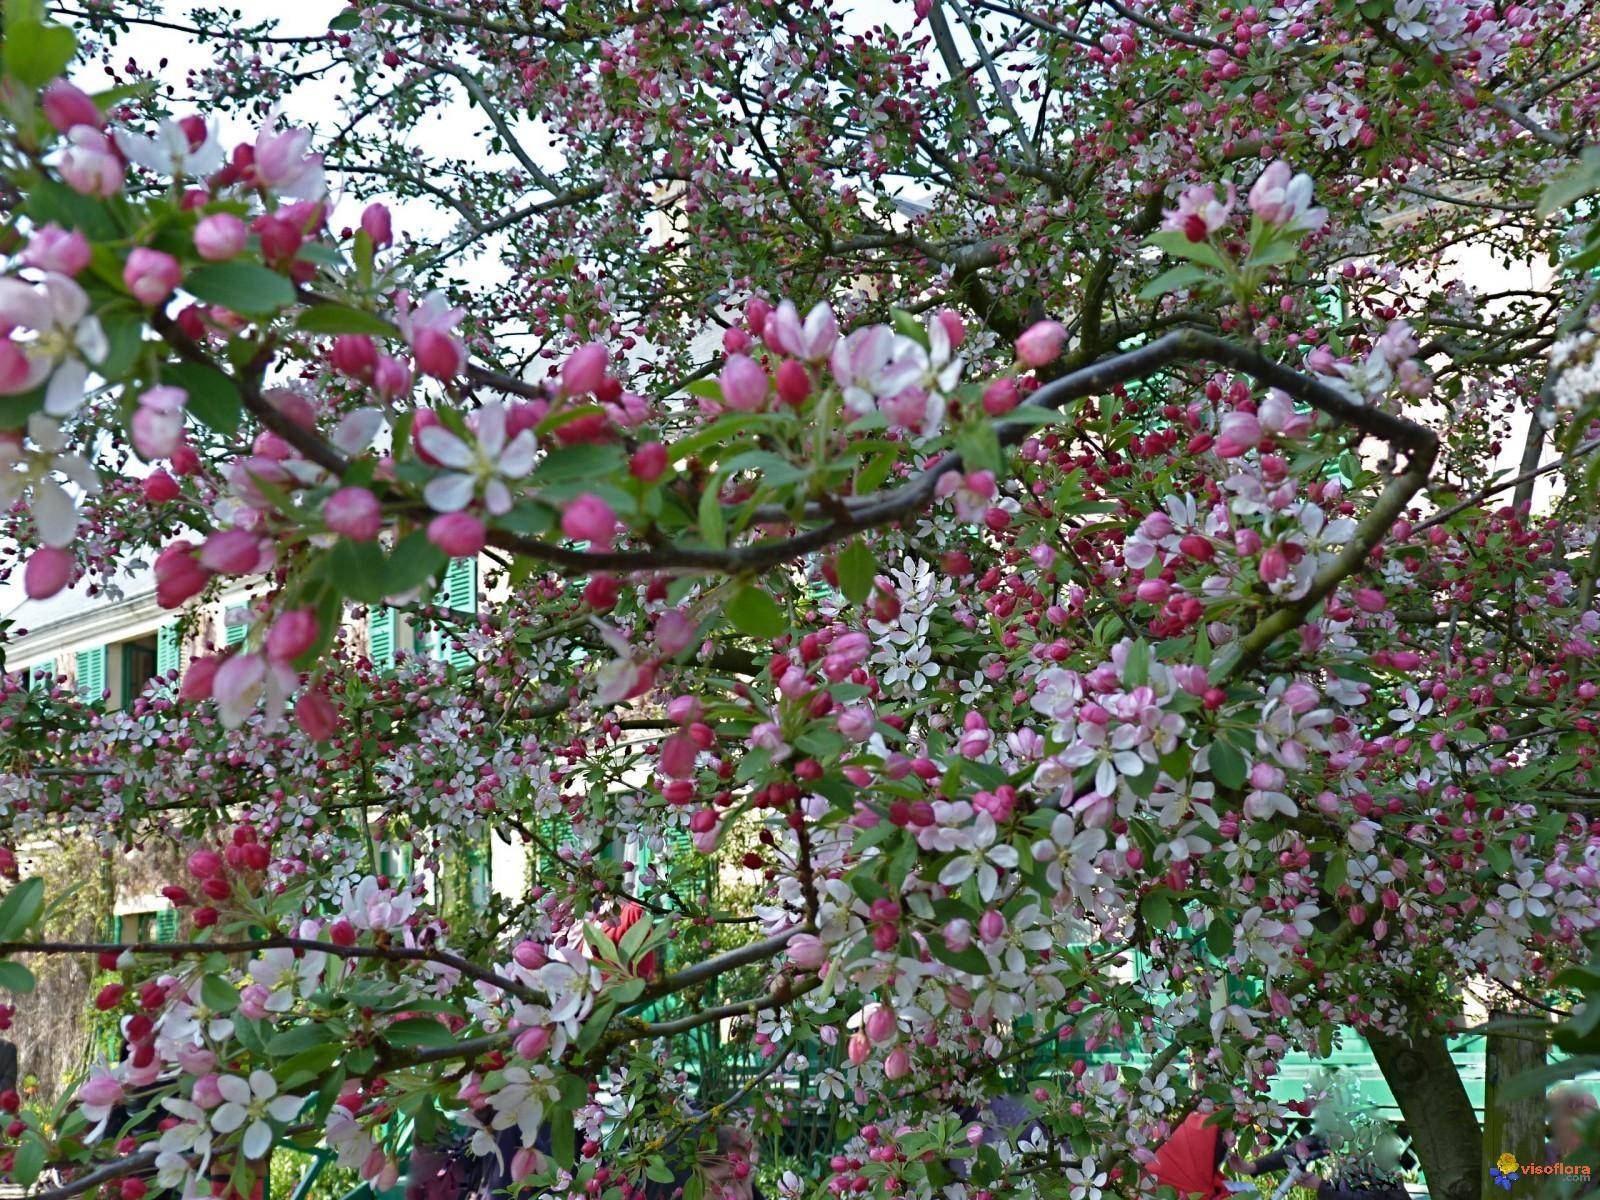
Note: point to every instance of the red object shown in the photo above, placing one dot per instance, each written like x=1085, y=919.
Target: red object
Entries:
x=1188, y=1160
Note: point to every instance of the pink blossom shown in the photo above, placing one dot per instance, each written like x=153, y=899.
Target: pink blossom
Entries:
x=157, y=425
x=1239, y=433
x=674, y=632
x=1280, y=197
x=90, y=164
x=281, y=164
x=391, y=378
x=532, y=1042
x=151, y=275
x=806, y=951
x=1200, y=212
x=353, y=512
x=898, y=1064
x=238, y=687
x=198, y=680
x=429, y=329
x=811, y=341
x=856, y=724
x=970, y=493
x=880, y=1024
x=1041, y=342
x=52, y=248
x=220, y=237
x=590, y=519
x=744, y=384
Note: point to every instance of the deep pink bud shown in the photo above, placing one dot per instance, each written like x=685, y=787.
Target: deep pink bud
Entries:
x=232, y=552
x=590, y=519
x=220, y=236
x=354, y=354
x=585, y=370
x=794, y=383
x=438, y=354
x=342, y=932
x=649, y=462
x=179, y=574
x=1000, y=397
x=52, y=248
x=66, y=106
x=316, y=715
x=377, y=225
x=47, y=572
x=458, y=534
x=955, y=329
x=197, y=680
x=292, y=634
x=159, y=487
x=205, y=864
x=991, y=926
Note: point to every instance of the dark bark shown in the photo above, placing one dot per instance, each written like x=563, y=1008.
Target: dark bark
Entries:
x=1444, y=1128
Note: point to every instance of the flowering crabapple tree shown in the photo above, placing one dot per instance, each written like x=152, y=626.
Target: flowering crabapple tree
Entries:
x=1072, y=579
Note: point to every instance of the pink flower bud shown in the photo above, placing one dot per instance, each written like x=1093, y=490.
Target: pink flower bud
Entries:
x=1370, y=600
x=794, y=384
x=391, y=378
x=532, y=1042
x=898, y=1064
x=52, y=248
x=744, y=384
x=66, y=106
x=292, y=634
x=438, y=354
x=353, y=512
x=1041, y=342
x=530, y=955
x=991, y=926
x=678, y=753
x=859, y=1049
x=151, y=275
x=649, y=462
x=458, y=534
x=179, y=575
x=354, y=354
x=585, y=370
x=955, y=329
x=590, y=519
x=316, y=715
x=47, y=572
x=205, y=1093
x=220, y=237
x=205, y=864
x=377, y=225
x=857, y=723
x=198, y=679
x=880, y=1024
x=232, y=552
x=806, y=951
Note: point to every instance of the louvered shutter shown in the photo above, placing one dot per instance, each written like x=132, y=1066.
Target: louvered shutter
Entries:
x=169, y=649
x=167, y=925
x=235, y=630
x=458, y=593
x=381, y=636
x=92, y=675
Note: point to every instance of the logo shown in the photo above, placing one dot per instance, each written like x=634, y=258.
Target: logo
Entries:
x=1507, y=1170
x=1504, y=1172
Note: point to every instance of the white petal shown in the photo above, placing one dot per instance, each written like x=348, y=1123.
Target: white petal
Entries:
x=65, y=392
x=234, y=1089
x=257, y=1140
x=54, y=514
x=446, y=447
x=957, y=870
x=228, y=1117
x=263, y=1084
x=517, y=460
x=356, y=430
x=448, y=493
x=285, y=1108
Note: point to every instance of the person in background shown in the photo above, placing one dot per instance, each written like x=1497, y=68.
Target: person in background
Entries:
x=1570, y=1109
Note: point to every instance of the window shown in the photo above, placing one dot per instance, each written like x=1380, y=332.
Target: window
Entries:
x=139, y=659
x=92, y=675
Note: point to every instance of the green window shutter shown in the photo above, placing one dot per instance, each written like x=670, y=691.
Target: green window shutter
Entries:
x=381, y=636
x=458, y=593
x=234, y=632
x=92, y=674
x=167, y=925
x=40, y=675
x=169, y=649
x=478, y=890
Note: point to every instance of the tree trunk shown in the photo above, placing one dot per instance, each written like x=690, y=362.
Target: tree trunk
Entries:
x=1514, y=1127
x=1443, y=1126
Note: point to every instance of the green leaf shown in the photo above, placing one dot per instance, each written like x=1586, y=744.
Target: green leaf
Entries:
x=712, y=526
x=124, y=337
x=337, y=318
x=360, y=570
x=419, y=1031
x=1173, y=279
x=14, y=977
x=1157, y=909
x=21, y=908
x=243, y=287
x=49, y=200
x=36, y=53
x=857, y=569
x=585, y=462
x=979, y=447
x=413, y=560
x=907, y=325
x=218, y=995
x=1226, y=764
x=754, y=612
x=561, y=1137
x=213, y=397
x=1219, y=937
x=1571, y=186
x=1176, y=243
x=299, y=1039
x=346, y=21
x=29, y=1160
